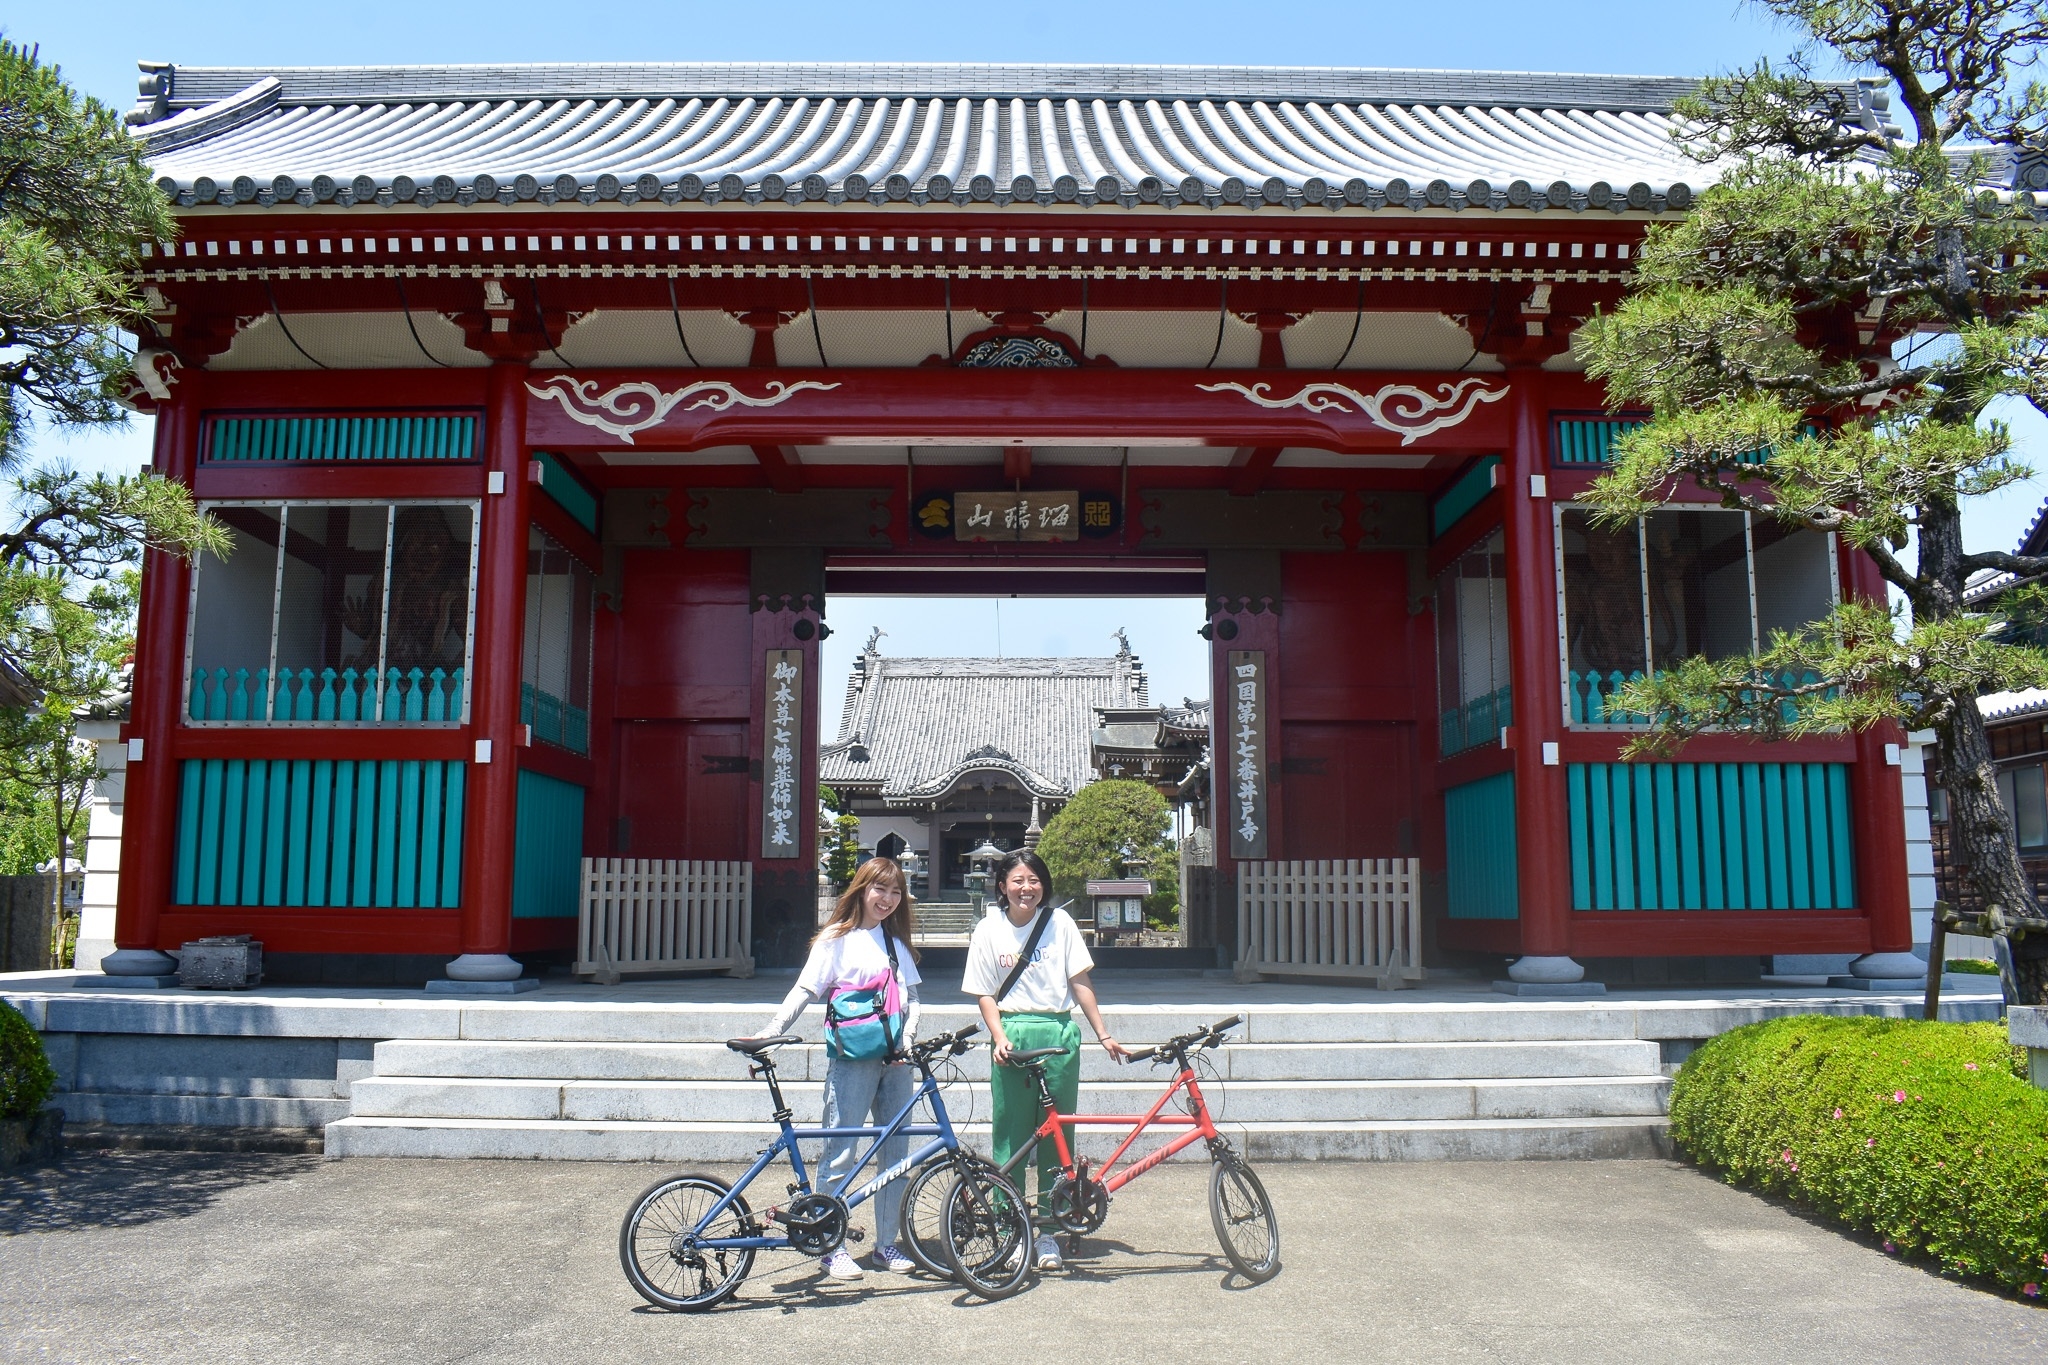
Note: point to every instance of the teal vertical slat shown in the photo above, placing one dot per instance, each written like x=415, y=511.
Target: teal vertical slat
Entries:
x=1772, y=778
x=1756, y=878
x=276, y=823
x=457, y=775
x=320, y=830
x=406, y=847
x=431, y=781
x=363, y=880
x=212, y=800
x=1799, y=852
x=1823, y=861
x=1713, y=889
x=387, y=832
x=1692, y=848
x=1600, y=803
x=1579, y=811
x=1842, y=845
x=1643, y=820
x=190, y=830
x=299, y=832
x=1665, y=817
x=234, y=783
x=342, y=859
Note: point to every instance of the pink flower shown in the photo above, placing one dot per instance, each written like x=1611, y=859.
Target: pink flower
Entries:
x=1898, y=1097
x=1890, y=1249
x=1969, y=1066
x=1872, y=1142
x=1838, y=1113
x=2032, y=1291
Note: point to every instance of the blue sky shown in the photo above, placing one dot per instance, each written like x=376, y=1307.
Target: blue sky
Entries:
x=98, y=48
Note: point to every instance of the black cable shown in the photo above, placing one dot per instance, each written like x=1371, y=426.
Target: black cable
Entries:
x=414, y=330
x=675, y=311
x=1492, y=310
x=283, y=325
x=1357, y=318
x=1222, y=314
x=818, y=337
x=540, y=316
x=1084, y=317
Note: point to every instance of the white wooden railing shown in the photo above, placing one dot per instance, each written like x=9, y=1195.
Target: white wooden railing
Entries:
x=1359, y=917
x=665, y=915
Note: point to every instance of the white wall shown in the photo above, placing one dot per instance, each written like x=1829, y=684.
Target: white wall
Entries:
x=102, y=843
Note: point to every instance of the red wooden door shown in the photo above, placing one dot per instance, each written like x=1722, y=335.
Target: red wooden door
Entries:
x=1350, y=789
x=682, y=789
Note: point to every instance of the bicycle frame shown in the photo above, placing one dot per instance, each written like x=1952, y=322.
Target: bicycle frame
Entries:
x=1201, y=1127
x=940, y=1132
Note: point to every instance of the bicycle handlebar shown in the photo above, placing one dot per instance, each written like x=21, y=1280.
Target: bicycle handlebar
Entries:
x=956, y=1042
x=1174, y=1047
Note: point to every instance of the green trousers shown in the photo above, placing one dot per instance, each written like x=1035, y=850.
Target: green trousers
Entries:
x=1016, y=1111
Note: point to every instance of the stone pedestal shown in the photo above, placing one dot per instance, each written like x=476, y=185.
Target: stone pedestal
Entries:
x=2027, y=1027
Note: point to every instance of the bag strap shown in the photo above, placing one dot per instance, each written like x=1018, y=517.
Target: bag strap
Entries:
x=896, y=973
x=1024, y=958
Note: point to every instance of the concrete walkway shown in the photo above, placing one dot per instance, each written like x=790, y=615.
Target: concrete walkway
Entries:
x=177, y=1258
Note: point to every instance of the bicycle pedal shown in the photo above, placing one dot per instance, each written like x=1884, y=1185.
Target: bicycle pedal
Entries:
x=856, y=1234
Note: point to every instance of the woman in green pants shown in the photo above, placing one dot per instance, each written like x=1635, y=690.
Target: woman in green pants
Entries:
x=1036, y=1010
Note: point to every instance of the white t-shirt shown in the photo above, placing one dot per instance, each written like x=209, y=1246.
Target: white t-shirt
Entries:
x=862, y=954
x=1045, y=986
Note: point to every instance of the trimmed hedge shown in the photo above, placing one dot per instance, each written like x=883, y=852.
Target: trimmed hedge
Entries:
x=1926, y=1134
x=26, y=1077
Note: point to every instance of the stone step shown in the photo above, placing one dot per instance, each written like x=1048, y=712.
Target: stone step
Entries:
x=1240, y=1101
x=695, y=1143
x=1264, y=1062
x=121, y=1109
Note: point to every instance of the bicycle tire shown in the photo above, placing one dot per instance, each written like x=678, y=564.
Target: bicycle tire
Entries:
x=657, y=1263
x=924, y=1212
x=1243, y=1218
x=987, y=1233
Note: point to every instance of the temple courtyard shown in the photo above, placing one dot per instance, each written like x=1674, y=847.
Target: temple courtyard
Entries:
x=172, y=1257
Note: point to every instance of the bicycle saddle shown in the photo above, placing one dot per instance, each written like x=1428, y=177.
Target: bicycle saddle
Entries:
x=754, y=1047
x=1036, y=1054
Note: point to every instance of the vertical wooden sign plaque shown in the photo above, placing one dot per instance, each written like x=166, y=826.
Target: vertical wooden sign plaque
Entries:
x=1244, y=717
x=781, y=832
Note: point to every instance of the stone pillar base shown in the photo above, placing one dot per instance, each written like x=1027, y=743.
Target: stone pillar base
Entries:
x=1548, y=971
x=1889, y=967
x=484, y=967
x=138, y=962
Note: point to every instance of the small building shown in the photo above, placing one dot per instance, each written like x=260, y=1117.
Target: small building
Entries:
x=1118, y=906
x=1166, y=747
x=938, y=755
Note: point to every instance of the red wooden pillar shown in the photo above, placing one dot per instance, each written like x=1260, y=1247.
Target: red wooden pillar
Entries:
x=149, y=826
x=1542, y=827
x=1879, y=806
x=493, y=795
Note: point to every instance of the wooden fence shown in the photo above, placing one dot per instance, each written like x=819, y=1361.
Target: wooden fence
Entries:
x=1357, y=917
x=665, y=915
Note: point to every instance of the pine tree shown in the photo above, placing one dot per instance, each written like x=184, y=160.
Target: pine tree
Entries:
x=1765, y=321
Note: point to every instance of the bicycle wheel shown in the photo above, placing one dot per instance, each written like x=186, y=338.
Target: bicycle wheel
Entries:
x=1243, y=1216
x=987, y=1231
x=658, y=1244
x=924, y=1211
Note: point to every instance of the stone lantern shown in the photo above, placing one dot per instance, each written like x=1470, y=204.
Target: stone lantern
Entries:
x=981, y=864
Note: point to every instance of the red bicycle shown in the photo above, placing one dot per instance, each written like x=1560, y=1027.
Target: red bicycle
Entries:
x=1079, y=1201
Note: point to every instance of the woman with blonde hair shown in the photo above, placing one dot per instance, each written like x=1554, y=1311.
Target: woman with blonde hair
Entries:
x=864, y=969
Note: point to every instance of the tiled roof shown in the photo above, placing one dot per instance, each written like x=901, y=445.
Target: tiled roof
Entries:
x=2027, y=701
x=913, y=727
x=1001, y=135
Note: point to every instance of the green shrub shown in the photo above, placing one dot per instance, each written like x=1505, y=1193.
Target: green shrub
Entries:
x=26, y=1077
x=1925, y=1134
x=1971, y=966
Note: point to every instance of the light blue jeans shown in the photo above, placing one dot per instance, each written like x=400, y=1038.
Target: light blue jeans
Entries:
x=853, y=1091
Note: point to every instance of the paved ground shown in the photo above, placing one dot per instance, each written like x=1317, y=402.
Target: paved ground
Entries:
x=182, y=1257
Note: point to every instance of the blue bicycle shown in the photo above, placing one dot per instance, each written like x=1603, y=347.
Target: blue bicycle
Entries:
x=689, y=1240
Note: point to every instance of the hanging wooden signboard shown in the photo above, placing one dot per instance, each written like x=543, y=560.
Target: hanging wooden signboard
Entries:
x=1245, y=696
x=781, y=831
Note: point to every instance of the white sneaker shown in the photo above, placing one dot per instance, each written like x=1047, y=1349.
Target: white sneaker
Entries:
x=891, y=1257
x=1049, y=1253
x=840, y=1265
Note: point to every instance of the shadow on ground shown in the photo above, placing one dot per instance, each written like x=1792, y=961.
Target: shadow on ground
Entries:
x=128, y=1189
